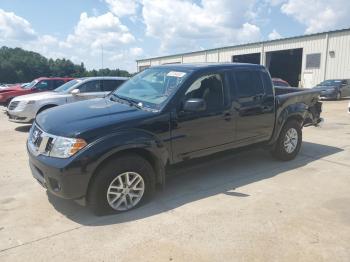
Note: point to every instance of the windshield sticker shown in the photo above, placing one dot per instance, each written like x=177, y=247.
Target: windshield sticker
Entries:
x=176, y=74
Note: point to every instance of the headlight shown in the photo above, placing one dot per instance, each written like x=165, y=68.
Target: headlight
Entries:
x=63, y=147
x=31, y=102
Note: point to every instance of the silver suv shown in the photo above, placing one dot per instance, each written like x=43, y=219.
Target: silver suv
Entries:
x=23, y=109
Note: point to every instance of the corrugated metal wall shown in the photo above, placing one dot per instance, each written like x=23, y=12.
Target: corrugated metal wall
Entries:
x=335, y=59
x=338, y=65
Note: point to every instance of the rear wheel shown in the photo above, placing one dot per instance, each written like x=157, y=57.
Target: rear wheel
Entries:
x=121, y=184
x=289, y=141
x=338, y=96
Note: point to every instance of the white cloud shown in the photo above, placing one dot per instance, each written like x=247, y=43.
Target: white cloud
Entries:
x=185, y=25
x=275, y=2
x=95, y=31
x=274, y=35
x=320, y=15
x=85, y=44
x=13, y=27
x=136, y=51
x=122, y=7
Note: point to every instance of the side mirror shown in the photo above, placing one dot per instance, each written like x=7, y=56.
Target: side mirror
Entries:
x=75, y=92
x=195, y=105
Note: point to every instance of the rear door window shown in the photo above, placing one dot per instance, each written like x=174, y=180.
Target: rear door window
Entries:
x=267, y=82
x=248, y=83
x=111, y=85
x=58, y=83
x=91, y=86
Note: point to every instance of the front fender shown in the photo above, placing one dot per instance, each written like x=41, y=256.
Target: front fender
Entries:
x=122, y=141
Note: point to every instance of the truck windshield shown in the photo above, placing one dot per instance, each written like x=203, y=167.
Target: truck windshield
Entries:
x=152, y=87
x=67, y=86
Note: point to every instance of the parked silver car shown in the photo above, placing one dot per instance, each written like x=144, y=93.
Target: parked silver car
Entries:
x=23, y=109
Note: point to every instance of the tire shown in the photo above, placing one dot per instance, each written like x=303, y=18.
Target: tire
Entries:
x=283, y=150
x=101, y=194
x=338, y=96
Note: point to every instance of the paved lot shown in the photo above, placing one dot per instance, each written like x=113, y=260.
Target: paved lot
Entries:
x=243, y=207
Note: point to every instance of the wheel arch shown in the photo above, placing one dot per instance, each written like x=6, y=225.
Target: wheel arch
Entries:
x=44, y=107
x=293, y=112
x=153, y=159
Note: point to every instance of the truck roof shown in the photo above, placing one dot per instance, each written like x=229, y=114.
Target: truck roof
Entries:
x=199, y=66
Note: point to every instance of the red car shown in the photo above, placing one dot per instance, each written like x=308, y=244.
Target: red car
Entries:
x=280, y=82
x=38, y=85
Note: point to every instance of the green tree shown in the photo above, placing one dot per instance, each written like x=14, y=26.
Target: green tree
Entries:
x=18, y=65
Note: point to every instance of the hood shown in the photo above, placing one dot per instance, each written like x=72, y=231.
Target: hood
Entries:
x=11, y=88
x=86, y=118
x=332, y=87
x=36, y=96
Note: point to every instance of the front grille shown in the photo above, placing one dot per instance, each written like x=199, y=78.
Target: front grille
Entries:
x=35, y=136
x=13, y=105
x=39, y=141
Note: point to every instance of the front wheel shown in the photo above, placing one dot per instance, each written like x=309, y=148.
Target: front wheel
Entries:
x=121, y=185
x=289, y=141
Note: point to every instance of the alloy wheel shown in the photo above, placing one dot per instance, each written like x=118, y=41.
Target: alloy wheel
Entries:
x=125, y=191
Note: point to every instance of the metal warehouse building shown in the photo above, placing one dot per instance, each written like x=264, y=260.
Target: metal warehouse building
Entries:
x=303, y=60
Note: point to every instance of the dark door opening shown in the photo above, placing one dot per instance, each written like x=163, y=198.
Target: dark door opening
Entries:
x=285, y=64
x=248, y=58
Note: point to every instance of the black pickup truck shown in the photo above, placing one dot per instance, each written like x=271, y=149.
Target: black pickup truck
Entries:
x=114, y=151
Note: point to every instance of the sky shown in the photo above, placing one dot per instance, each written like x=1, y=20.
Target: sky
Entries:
x=114, y=33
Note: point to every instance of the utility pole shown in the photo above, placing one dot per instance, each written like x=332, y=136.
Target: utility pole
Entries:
x=102, y=59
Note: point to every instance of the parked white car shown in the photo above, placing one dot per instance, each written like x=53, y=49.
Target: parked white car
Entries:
x=23, y=109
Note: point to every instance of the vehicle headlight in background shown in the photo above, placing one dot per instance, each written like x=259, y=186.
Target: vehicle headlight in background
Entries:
x=22, y=104
x=63, y=147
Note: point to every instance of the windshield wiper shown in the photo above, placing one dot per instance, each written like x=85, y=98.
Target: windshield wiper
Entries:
x=131, y=102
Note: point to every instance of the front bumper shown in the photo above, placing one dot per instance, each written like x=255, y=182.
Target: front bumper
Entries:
x=24, y=116
x=19, y=119
x=325, y=95
x=65, y=178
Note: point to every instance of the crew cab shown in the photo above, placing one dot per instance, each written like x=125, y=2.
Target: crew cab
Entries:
x=23, y=109
x=38, y=85
x=113, y=151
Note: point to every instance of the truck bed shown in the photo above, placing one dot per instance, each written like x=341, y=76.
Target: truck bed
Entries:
x=299, y=97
